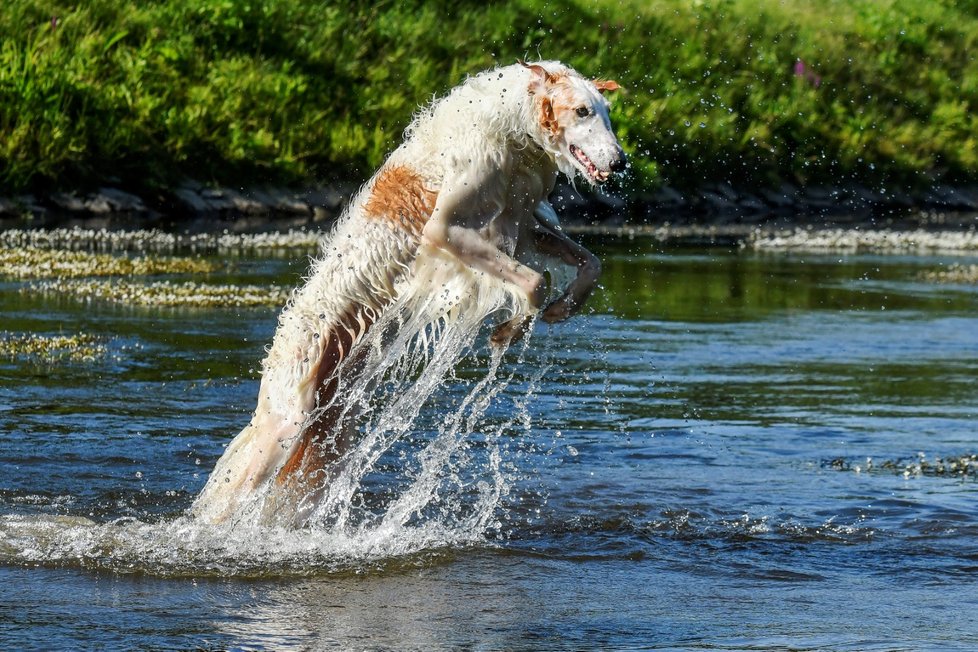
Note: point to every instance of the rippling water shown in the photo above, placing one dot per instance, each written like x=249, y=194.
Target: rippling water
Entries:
x=734, y=451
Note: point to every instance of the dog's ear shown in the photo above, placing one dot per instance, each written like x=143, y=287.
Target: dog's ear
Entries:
x=541, y=78
x=547, y=118
x=606, y=85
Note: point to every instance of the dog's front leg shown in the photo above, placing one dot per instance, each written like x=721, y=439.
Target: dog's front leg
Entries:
x=552, y=241
x=460, y=221
x=471, y=248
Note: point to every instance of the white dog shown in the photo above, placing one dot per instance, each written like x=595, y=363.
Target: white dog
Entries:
x=469, y=185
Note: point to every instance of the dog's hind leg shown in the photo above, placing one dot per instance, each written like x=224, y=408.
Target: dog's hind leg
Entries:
x=330, y=431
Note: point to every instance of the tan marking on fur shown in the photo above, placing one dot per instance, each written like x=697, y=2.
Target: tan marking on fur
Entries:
x=558, y=110
x=323, y=441
x=551, y=88
x=542, y=74
x=399, y=195
x=548, y=120
x=606, y=85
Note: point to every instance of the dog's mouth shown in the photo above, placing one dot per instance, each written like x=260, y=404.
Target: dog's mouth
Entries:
x=593, y=172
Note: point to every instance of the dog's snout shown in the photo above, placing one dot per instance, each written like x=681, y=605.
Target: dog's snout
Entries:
x=619, y=162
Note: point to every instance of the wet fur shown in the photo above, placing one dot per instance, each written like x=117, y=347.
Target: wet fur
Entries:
x=493, y=136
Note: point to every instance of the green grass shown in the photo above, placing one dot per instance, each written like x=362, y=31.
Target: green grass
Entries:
x=289, y=91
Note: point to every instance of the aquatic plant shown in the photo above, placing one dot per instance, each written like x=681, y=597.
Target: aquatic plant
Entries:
x=964, y=466
x=32, y=262
x=89, y=239
x=855, y=240
x=154, y=240
x=164, y=293
x=953, y=274
x=80, y=347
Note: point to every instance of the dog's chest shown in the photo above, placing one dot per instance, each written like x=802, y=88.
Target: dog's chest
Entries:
x=530, y=183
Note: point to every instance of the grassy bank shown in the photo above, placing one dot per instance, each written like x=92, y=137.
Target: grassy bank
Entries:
x=285, y=91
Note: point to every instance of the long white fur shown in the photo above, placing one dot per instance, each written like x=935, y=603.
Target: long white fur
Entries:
x=385, y=269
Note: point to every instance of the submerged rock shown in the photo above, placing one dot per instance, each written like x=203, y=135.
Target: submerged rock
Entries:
x=104, y=201
x=780, y=198
x=121, y=201
x=668, y=197
x=189, y=200
x=8, y=207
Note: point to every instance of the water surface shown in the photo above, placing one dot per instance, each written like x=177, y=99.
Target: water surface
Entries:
x=732, y=451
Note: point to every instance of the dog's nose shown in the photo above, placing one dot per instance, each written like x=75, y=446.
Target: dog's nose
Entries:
x=619, y=163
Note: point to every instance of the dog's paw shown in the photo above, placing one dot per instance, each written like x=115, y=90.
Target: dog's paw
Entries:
x=562, y=308
x=510, y=331
x=538, y=294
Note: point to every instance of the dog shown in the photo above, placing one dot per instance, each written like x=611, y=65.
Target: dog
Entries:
x=467, y=187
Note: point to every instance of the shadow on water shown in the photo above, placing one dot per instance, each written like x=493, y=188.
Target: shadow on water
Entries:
x=733, y=451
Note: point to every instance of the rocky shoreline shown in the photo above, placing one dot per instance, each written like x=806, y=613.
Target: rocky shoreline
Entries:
x=196, y=208
x=190, y=207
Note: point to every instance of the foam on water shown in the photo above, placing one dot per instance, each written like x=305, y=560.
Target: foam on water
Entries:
x=185, y=546
x=427, y=471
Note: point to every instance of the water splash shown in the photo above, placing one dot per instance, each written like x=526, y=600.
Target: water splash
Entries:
x=428, y=470
x=186, y=547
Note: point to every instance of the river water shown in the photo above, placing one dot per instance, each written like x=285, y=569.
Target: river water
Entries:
x=730, y=451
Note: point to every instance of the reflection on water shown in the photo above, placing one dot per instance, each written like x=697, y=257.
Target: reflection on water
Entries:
x=714, y=459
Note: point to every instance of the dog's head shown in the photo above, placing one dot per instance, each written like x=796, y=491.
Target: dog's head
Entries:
x=573, y=123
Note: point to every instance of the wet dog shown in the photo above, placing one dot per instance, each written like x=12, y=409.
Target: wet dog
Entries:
x=469, y=186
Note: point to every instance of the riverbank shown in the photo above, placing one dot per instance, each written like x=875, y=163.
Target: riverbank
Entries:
x=956, y=235
x=716, y=214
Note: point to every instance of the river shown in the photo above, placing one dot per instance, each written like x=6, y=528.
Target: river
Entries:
x=730, y=450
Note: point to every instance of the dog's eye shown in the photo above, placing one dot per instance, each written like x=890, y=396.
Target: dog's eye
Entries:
x=583, y=112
